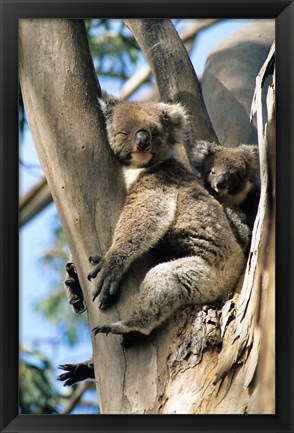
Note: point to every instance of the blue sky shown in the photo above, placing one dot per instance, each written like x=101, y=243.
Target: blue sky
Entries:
x=36, y=235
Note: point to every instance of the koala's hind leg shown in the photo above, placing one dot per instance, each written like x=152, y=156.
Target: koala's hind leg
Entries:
x=73, y=289
x=168, y=286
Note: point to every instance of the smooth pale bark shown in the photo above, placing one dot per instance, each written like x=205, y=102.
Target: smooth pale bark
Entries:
x=187, y=35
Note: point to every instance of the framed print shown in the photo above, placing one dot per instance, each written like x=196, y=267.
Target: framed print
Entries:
x=146, y=216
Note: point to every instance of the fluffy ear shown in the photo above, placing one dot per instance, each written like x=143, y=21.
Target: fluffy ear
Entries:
x=107, y=102
x=251, y=155
x=200, y=151
x=175, y=113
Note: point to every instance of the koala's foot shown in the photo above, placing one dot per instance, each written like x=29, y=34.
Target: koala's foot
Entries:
x=76, y=372
x=73, y=289
x=130, y=334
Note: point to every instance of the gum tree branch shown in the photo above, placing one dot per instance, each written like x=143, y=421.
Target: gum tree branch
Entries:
x=173, y=70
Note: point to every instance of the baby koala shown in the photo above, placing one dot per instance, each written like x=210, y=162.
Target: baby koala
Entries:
x=230, y=174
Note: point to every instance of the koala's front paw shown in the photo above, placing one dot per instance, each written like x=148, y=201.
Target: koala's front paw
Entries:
x=108, y=274
x=106, y=286
x=73, y=289
x=76, y=372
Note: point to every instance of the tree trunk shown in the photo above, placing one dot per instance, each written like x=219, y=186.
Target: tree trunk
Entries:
x=60, y=92
x=175, y=369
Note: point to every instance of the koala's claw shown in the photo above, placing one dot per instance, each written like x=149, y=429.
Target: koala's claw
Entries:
x=106, y=297
x=104, y=329
x=76, y=372
x=94, y=260
x=97, y=289
x=104, y=302
x=103, y=305
x=73, y=289
x=94, y=271
x=94, y=295
x=106, y=287
x=71, y=270
x=91, y=275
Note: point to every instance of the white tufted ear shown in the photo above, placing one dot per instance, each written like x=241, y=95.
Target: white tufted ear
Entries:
x=200, y=151
x=102, y=104
x=176, y=114
x=250, y=155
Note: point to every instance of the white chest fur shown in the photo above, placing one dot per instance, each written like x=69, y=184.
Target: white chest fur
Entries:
x=131, y=175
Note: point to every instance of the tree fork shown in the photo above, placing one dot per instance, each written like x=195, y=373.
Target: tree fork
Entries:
x=175, y=76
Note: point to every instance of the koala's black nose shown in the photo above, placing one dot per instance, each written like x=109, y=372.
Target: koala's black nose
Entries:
x=221, y=182
x=142, y=140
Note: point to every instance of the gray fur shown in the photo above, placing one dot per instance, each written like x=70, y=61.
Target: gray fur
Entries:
x=238, y=168
x=168, y=210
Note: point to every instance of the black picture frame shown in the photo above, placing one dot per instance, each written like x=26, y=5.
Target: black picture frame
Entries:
x=11, y=11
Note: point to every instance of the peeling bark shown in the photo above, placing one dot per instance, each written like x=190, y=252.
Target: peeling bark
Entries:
x=247, y=334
